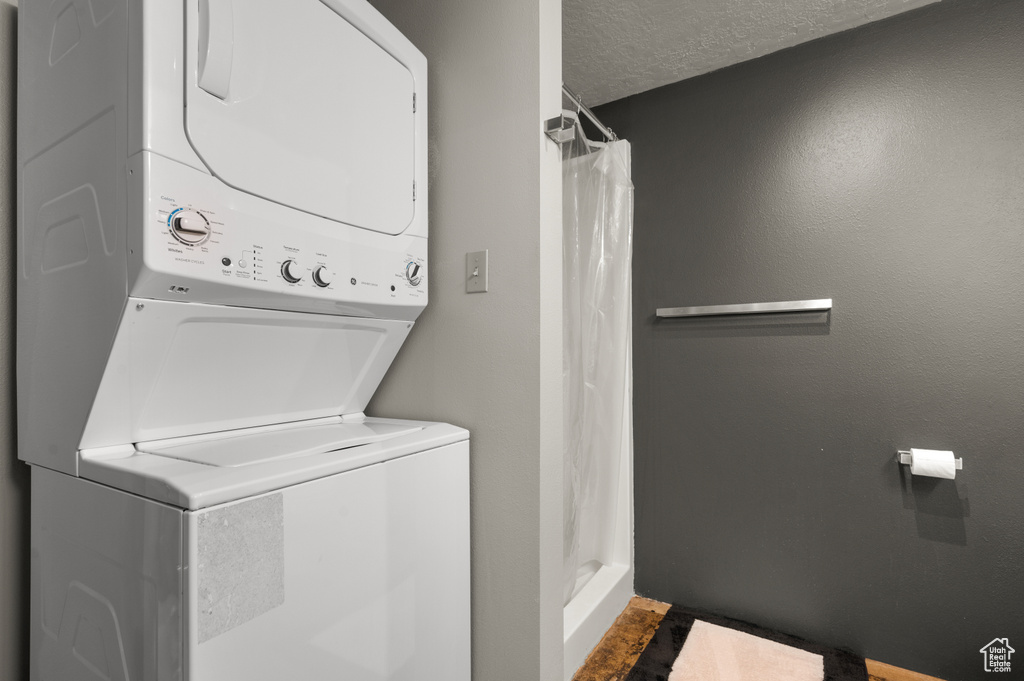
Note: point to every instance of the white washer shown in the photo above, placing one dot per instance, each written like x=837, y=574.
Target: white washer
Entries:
x=258, y=557
x=222, y=245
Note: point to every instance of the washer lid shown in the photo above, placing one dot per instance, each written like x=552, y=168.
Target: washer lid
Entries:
x=194, y=485
x=294, y=103
x=252, y=448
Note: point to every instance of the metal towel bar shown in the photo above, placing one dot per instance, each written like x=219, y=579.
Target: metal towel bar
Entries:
x=821, y=305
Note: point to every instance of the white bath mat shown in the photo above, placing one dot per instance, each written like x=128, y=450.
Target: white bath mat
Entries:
x=714, y=653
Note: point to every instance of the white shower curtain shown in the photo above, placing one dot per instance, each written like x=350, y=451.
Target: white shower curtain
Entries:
x=597, y=370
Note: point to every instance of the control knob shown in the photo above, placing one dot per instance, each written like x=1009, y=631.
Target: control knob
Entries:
x=321, y=277
x=412, y=273
x=290, y=271
x=190, y=227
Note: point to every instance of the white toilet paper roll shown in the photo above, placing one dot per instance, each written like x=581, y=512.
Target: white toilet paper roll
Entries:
x=933, y=463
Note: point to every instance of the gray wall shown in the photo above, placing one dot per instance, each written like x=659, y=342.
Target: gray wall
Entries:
x=491, y=362
x=884, y=168
x=13, y=473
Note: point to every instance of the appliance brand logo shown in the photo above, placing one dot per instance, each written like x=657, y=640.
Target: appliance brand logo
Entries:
x=997, y=655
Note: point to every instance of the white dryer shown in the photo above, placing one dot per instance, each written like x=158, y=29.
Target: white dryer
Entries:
x=222, y=245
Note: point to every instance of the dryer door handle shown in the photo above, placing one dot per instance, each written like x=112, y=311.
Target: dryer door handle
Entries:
x=216, y=46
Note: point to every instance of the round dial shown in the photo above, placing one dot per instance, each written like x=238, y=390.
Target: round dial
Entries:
x=412, y=273
x=190, y=227
x=321, y=277
x=290, y=271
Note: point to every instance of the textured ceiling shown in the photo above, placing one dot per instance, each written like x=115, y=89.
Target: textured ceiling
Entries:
x=615, y=48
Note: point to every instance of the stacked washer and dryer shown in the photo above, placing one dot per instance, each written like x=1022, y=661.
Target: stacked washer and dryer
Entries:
x=222, y=245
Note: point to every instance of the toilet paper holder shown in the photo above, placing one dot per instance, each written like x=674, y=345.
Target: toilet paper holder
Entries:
x=906, y=456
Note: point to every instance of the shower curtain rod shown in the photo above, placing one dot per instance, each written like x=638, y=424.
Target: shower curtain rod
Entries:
x=606, y=131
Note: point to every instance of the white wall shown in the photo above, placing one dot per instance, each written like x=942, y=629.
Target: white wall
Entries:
x=491, y=362
x=13, y=474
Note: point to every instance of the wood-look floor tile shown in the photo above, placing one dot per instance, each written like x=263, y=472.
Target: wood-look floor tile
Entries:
x=880, y=671
x=618, y=651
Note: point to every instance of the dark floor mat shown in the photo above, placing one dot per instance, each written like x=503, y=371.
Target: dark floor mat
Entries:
x=656, y=661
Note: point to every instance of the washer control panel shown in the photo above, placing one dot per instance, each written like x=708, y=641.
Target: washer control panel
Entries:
x=188, y=240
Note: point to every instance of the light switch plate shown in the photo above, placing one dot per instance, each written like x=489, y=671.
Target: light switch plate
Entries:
x=476, y=272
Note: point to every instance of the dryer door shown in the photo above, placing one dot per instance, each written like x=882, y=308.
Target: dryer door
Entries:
x=293, y=103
